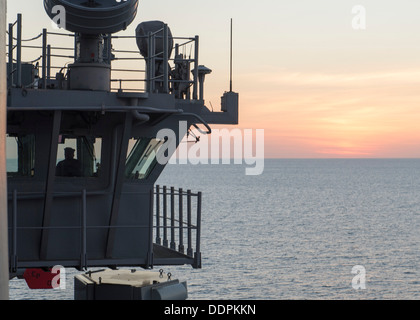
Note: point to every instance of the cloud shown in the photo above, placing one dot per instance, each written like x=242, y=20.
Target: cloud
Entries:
x=341, y=114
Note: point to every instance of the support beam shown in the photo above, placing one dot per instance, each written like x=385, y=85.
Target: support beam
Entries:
x=50, y=183
x=119, y=180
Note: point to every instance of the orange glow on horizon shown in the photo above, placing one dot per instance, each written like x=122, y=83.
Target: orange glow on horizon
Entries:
x=316, y=86
x=368, y=115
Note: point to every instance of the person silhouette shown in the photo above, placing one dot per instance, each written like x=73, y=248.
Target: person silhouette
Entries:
x=69, y=167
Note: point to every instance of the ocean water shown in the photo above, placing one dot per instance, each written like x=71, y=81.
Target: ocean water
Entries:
x=297, y=231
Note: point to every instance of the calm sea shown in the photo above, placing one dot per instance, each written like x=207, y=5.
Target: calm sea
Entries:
x=297, y=230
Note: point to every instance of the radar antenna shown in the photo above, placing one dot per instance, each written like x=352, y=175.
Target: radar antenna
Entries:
x=231, y=53
x=95, y=16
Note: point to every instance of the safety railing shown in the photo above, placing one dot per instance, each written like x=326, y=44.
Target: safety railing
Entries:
x=174, y=217
x=51, y=57
x=129, y=72
x=166, y=226
x=170, y=78
x=55, y=59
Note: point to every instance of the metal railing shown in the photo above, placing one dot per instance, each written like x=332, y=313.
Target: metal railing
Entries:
x=166, y=80
x=174, y=221
x=172, y=226
x=43, y=61
x=130, y=71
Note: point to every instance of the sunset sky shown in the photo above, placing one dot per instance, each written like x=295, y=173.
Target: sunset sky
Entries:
x=319, y=88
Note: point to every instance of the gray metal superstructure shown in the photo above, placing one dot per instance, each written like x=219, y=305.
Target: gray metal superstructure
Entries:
x=110, y=214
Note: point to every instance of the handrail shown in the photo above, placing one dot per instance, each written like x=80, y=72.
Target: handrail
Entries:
x=166, y=81
x=61, y=34
x=182, y=228
x=26, y=40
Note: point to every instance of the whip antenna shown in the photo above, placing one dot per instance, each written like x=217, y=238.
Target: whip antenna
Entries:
x=231, y=50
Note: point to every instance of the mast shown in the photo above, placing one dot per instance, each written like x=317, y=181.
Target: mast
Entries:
x=231, y=52
x=4, y=249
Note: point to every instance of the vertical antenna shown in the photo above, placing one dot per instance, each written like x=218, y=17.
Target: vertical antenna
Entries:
x=231, y=49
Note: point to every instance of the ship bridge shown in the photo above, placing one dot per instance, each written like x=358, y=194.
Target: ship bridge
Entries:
x=83, y=146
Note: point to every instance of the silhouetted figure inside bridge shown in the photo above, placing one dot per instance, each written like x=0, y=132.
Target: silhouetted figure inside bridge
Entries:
x=69, y=167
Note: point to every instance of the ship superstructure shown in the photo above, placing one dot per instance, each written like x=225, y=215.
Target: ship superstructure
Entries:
x=85, y=145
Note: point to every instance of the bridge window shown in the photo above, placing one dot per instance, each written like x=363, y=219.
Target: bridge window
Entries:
x=78, y=156
x=20, y=155
x=142, y=157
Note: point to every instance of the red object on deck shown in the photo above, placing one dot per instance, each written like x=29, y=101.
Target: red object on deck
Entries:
x=41, y=279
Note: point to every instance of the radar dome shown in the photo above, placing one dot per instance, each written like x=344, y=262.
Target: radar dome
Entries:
x=94, y=16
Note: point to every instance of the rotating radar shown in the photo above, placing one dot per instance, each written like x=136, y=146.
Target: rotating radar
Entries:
x=95, y=16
